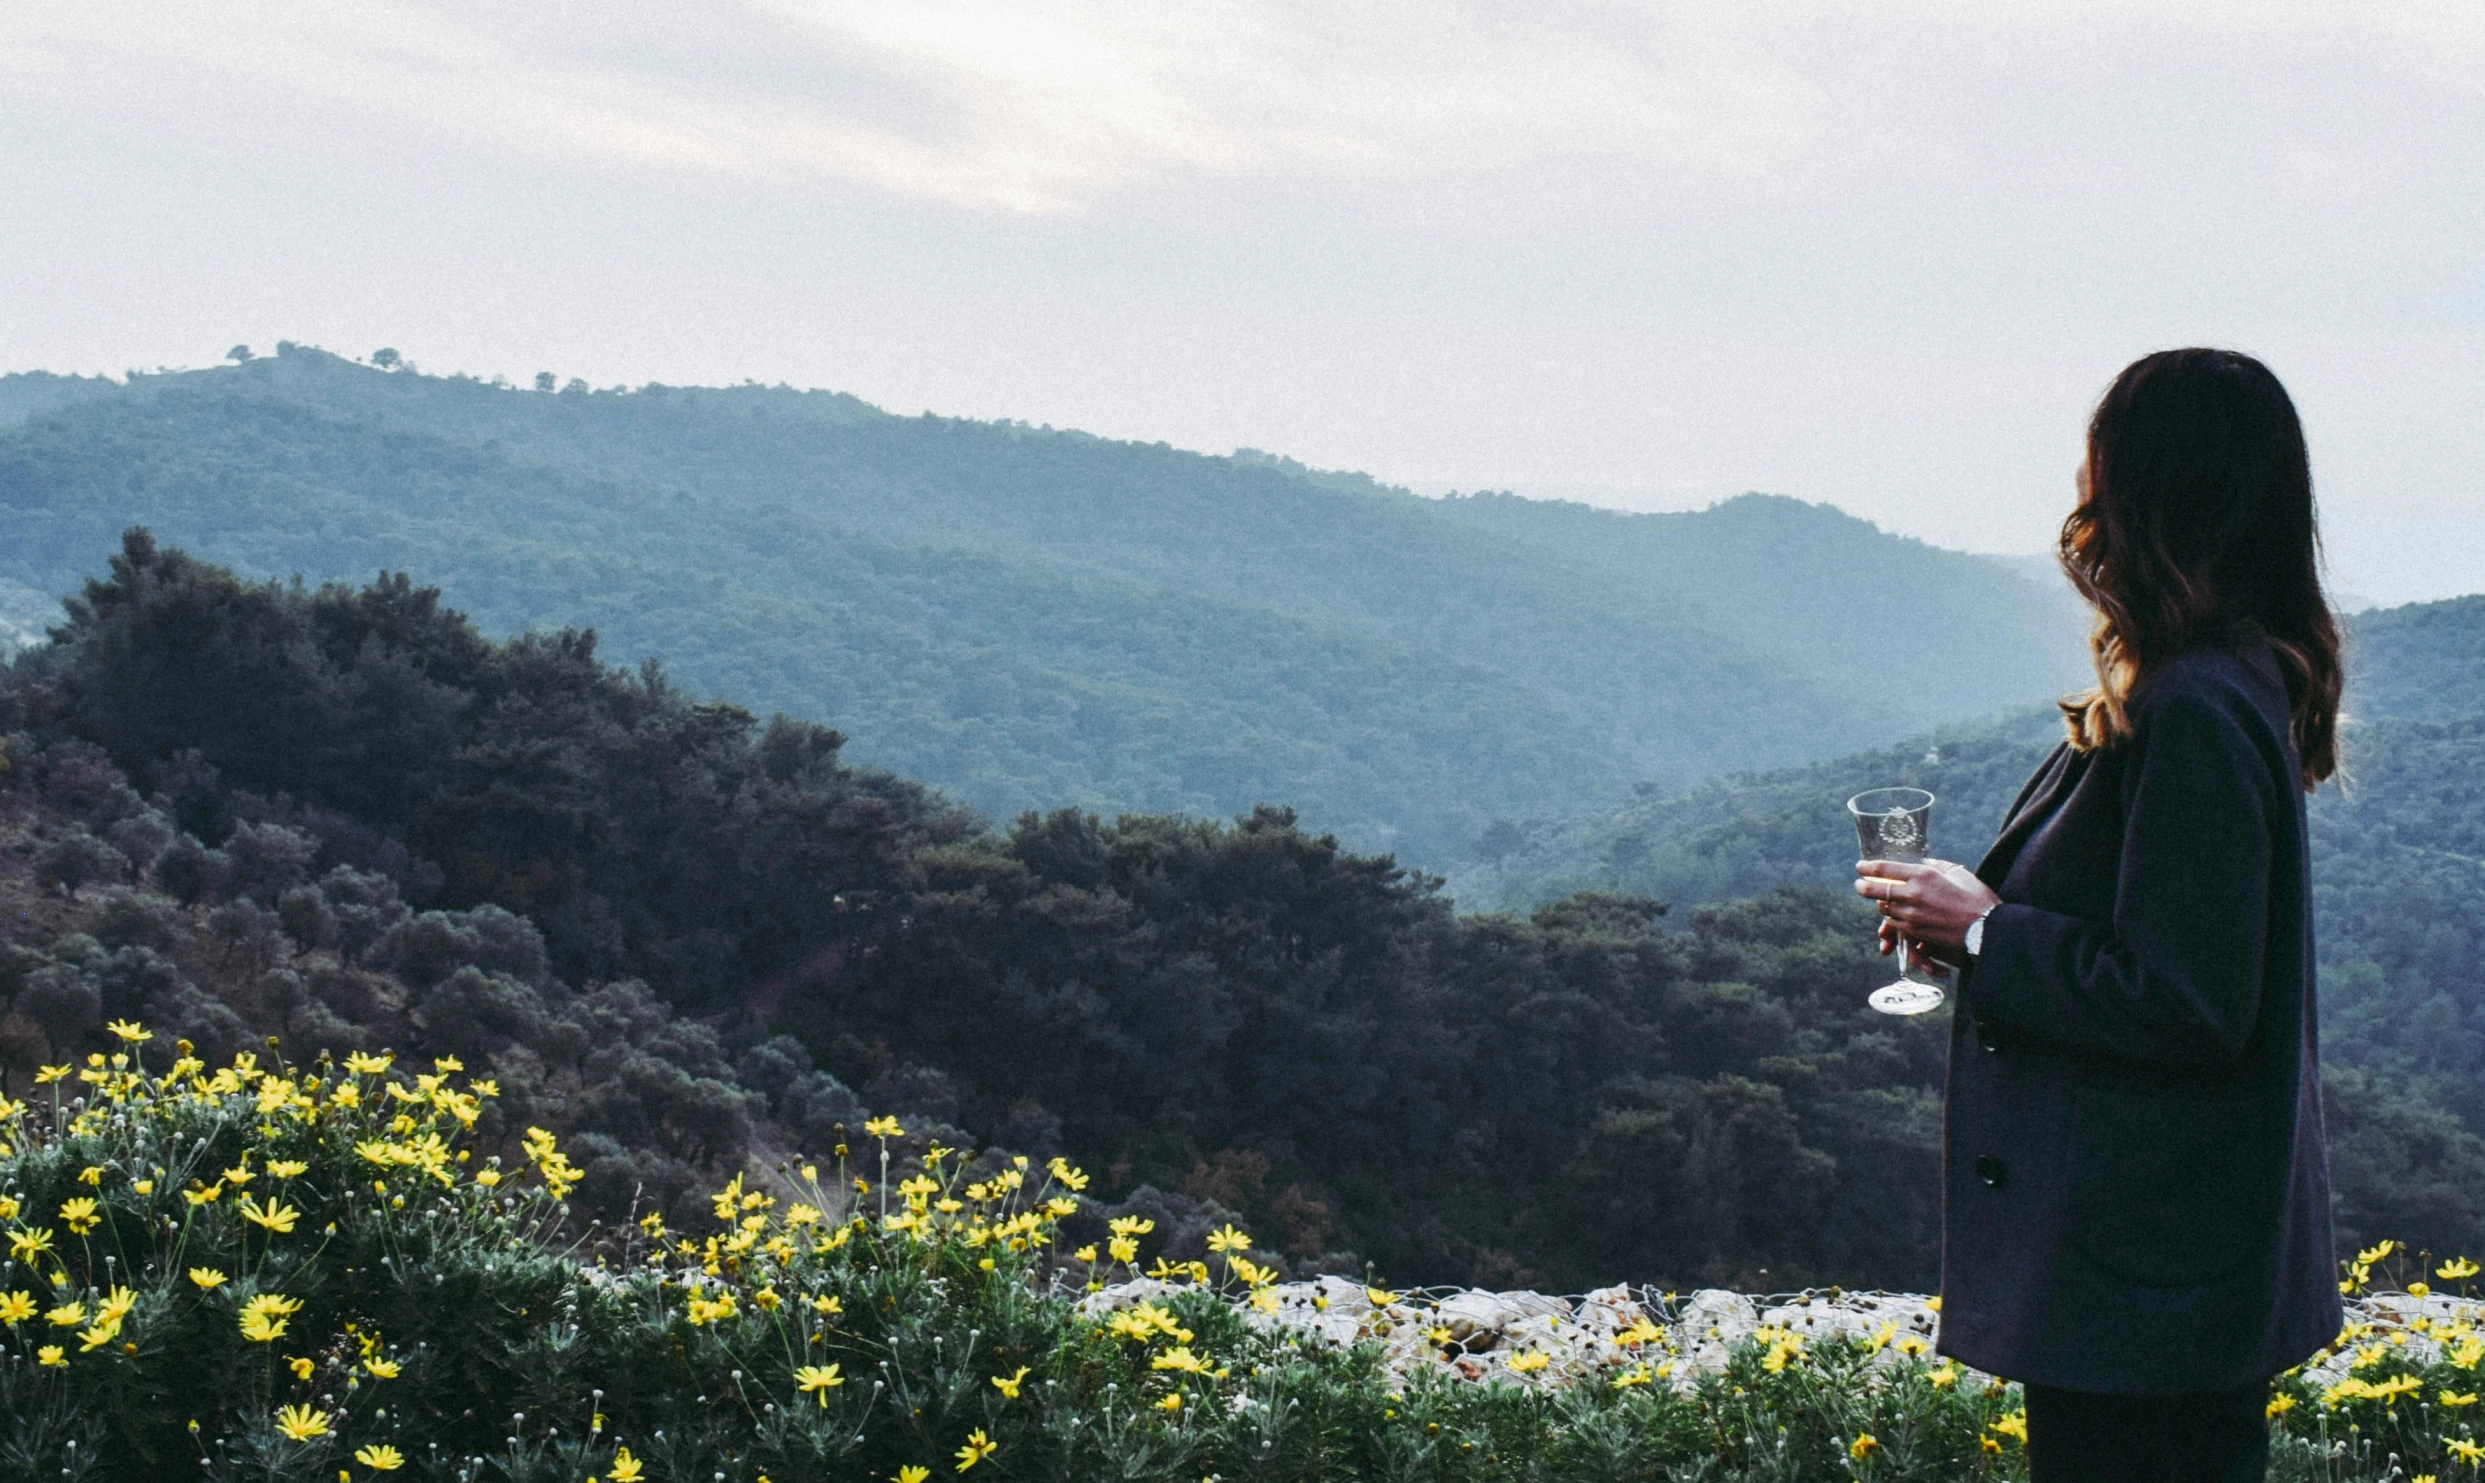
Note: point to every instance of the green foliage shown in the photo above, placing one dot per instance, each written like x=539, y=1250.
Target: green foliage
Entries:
x=371, y=827
x=282, y=1272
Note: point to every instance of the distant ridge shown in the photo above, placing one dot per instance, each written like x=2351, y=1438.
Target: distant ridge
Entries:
x=1031, y=617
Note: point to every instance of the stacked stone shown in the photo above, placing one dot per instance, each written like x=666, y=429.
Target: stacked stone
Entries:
x=1472, y=1335
x=2421, y=1327
x=1536, y=1339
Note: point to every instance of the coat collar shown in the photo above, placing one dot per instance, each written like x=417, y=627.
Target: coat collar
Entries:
x=2036, y=805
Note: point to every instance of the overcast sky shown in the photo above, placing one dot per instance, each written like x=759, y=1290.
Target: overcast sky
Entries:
x=1881, y=255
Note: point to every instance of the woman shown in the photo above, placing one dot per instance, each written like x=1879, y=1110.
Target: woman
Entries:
x=2136, y=1201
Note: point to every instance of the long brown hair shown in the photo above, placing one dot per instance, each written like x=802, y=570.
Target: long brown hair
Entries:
x=2195, y=524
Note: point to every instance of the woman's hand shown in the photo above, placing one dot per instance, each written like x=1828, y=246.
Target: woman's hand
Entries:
x=1929, y=904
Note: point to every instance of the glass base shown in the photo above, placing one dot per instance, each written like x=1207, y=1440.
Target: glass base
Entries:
x=1906, y=997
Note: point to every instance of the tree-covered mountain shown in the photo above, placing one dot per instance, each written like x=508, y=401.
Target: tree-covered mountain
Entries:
x=1023, y=616
x=697, y=944
x=687, y=940
x=2398, y=850
x=2415, y=680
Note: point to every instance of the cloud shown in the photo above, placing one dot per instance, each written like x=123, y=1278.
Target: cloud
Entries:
x=1878, y=254
x=1018, y=107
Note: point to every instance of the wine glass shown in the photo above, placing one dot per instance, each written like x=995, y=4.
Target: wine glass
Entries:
x=1895, y=824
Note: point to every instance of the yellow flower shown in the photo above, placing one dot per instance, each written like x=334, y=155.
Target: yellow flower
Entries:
x=1179, y=1357
x=92, y=1174
x=886, y=1127
x=287, y=1168
x=1988, y=1444
x=2465, y=1451
x=1945, y=1374
x=1008, y=1385
x=143, y=1186
x=1379, y=1297
x=2458, y=1398
x=1635, y=1375
x=2456, y=1271
x=1226, y=1238
x=626, y=1469
x=79, y=1215
x=382, y=1369
x=913, y=1474
x=206, y=1277
x=67, y=1315
x=363, y=1064
x=27, y=1244
x=1172, y=1402
x=2278, y=1406
x=116, y=1304
x=827, y=1305
x=302, y=1368
x=1124, y=1248
x=1863, y=1446
x=51, y=1354
x=258, y=1328
x=818, y=1380
x=276, y=1217
x=2014, y=1426
x=106, y=1330
x=17, y=1307
x=131, y=1031
x=380, y=1457
x=263, y=1317
x=205, y=1194
x=977, y=1448
x=302, y=1423
x=1530, y=1362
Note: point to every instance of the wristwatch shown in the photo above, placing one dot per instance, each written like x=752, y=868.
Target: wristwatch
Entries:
x=1975, y=937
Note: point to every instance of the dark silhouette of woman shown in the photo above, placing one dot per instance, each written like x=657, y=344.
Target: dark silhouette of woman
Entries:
x=2136, y=1215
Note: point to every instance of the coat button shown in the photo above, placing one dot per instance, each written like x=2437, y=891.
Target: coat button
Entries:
x=1990, y=1170
x=1989, y=1036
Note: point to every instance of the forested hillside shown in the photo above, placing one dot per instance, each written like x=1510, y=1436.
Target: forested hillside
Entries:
x=2415, y=682
x=1025, y=617
x=2398, y=863
x=686, y=940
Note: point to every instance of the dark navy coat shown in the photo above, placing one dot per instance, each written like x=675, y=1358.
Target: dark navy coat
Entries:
x=2135, y=1193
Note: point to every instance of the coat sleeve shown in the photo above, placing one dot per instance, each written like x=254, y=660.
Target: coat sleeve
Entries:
x=2174, y=980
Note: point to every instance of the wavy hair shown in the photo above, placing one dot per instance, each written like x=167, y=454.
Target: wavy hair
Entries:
x=2195, y=524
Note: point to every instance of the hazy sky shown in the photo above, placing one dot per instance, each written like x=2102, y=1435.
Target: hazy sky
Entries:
x=1883, y=255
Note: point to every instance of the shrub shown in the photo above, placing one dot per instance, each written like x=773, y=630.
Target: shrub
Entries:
x=271, y=1271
